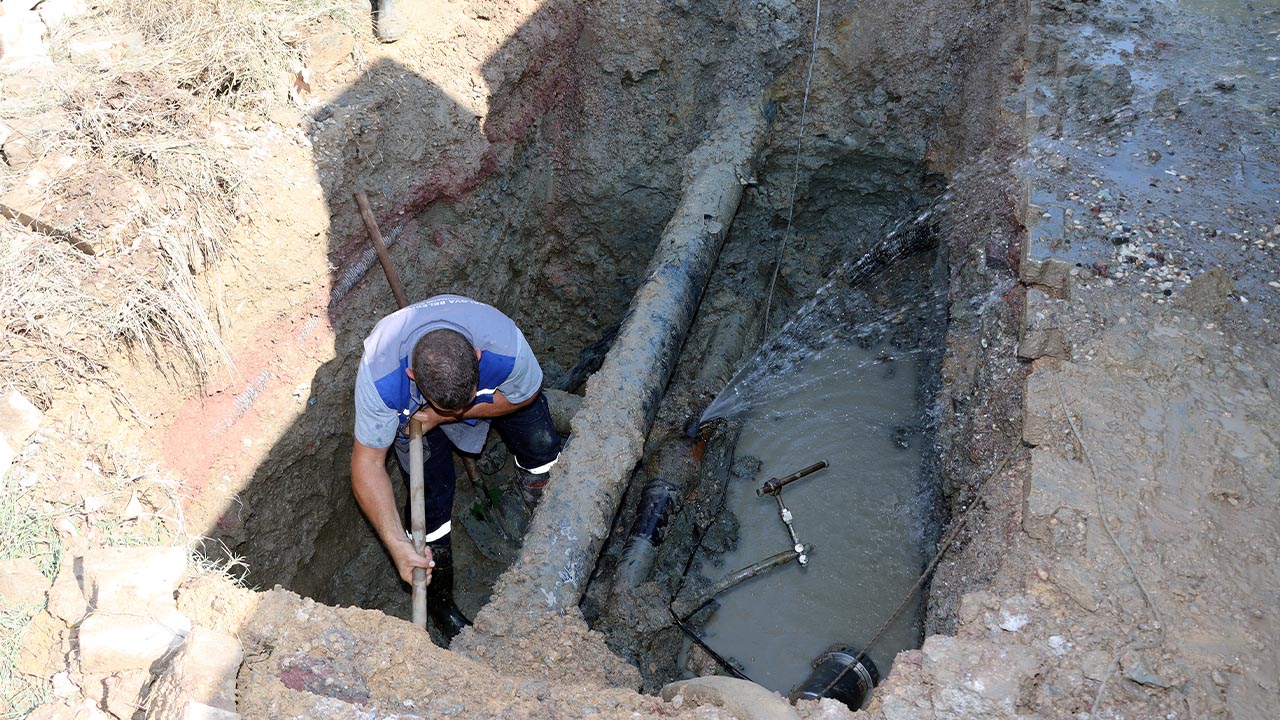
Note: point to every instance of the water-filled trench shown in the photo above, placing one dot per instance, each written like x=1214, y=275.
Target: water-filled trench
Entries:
x=847, y=371
x=851, y=381
x=848, y=375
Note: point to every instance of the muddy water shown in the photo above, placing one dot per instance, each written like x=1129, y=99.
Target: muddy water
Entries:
x=857, y=408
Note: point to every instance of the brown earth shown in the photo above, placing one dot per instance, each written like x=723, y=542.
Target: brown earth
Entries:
x=503, y=120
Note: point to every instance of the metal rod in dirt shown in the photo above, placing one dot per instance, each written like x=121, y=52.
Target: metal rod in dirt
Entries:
x=371, y=225
x=473, y=475
x=418, y=519
x=785, y=514
x=775, y=484
x=685, y=609
x=417, y=493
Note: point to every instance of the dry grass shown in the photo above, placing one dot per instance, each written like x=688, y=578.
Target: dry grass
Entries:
x=48, y=317
x=234, y=51
x=145, y=119
x=63, y=315
x=190, y=207
x=19, y=694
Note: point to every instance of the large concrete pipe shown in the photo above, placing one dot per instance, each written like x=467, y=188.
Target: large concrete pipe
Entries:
x=609, y=430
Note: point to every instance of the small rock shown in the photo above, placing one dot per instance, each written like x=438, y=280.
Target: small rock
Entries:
x=21, y=138
x=1058, y=644
x=44, y=647
x=1166, y=105
x=111, y=643
x=974, y=606
x=18, y=420
x=1101, y=92
x=104, y=50
x=123, y=692
x=67, y=599
x=199, y=711
x=1013, y=623
x=1137, y=670
x=130, y=579
x=1096, y=664
x=1209, y=292
x=1015, y=613
x=21, y=584
x=983, y=679
x=1225, y=85
x=1078, y=584
x=1053, y=275
x=1046, y=342
x=26, y=201
x=329, y=50
x=287, y=117
x=19, y=150
x=22, y=45
x=203, y=670
x=62, y=685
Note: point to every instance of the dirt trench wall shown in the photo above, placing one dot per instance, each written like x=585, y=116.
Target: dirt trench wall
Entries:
x=906, y=101
x=549, y=206
x=870, y=156
x=937, y=84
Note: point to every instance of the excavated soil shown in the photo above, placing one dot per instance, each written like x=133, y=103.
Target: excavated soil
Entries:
x=1110, y=252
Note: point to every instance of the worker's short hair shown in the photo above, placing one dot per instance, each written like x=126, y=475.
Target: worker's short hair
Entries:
x=446, y=370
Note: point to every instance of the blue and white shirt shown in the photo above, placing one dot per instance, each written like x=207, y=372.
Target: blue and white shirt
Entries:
x=385, y=397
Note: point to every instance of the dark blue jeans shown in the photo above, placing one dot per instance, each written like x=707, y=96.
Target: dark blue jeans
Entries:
x=528, y=433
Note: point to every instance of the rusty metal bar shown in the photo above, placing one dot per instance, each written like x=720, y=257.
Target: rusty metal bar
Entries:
x=774, y=485
x=685, y=609
x=371, y=225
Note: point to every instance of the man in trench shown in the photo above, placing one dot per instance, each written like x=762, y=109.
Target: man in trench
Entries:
x=458, y=366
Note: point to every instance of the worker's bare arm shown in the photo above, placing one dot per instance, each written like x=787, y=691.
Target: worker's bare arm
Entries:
x=372, y=488
x=500, y=406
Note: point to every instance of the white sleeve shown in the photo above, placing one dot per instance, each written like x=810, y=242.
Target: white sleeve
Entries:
x=376, y=423
x=525, y=379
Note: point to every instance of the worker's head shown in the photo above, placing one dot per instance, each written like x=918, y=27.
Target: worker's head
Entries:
x=446, y=368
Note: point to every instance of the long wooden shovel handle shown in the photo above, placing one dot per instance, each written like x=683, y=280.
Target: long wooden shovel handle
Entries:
x=417, y=518
x=417, y=510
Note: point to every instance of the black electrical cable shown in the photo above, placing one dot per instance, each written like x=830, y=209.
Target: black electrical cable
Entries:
x=702, y=644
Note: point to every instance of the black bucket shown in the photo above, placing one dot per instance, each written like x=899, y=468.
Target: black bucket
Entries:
x=840, y=674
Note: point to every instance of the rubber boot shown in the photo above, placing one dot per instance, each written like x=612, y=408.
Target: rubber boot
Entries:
x=389, y=23
x=531, y=487
x=441, y=608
